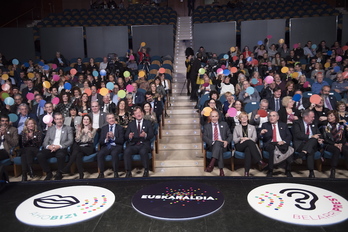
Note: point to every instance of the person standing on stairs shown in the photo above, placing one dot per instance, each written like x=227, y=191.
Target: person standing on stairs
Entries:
x=217, y=136
x=196, y=65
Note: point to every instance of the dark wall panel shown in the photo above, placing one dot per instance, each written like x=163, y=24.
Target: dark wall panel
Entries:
x=17, y=43
x=314, y=29
x=254, y=31
x=214, y=37
x=344, y=30
x=158, y=38
x=104, y=40
x=67, y=40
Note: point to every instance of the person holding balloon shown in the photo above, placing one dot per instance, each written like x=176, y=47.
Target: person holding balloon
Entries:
x=248, y=94
x=31, y=142
x=64, y=104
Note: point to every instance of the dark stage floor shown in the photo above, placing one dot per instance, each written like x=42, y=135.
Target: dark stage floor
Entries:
x=235, y=215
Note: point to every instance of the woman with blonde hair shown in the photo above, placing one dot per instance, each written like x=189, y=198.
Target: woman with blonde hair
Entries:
x=245, y=137
x=31, y=142
x=288, y=114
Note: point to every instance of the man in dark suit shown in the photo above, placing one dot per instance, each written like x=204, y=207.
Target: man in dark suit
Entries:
x=97, y=116
x=95, y=97
x=108, y=106
x=306, y=139
x=303, y=103
x=275, y=133
x=193, y=76
x=156, y=105
x=29, y=89
x=111, y=142
x=41, y=125
x=37, y=110
x=15, y=107
x=139, y=134
x=138, y=96
x=217, y=136
x=330, y=101
x=256, y=119
x=57, y=140
x=275, y=102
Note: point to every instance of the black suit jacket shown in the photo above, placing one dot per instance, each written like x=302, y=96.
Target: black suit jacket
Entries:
x=333, y=101
x=299, y=133
x=283, y=115
x=283, y=131
x=119, y=135
x=139, y=98
x=271, y=103
x=146, y=127
x=111, y=108
x=158, y=109
x=99, y=99
x=225, y=133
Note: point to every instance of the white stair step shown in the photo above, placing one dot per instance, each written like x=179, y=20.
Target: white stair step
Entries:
x=182, y=121
x=183, y=103
x=181, y=127
x=182, y=111
x=185, y=146
x=180, y=140
x=190, y=132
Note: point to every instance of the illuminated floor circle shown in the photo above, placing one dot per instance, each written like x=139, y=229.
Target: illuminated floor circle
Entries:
x=63, y=206
x=178, y=200
x=299, y=204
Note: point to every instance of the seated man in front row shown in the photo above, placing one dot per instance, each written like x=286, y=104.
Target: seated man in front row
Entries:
x=276, y=134
x=217, y=135
x=139, y=134
x=111, y=143
x=57, y=140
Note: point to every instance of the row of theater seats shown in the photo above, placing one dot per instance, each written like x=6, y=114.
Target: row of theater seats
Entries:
x=262, y=11
x=117, y=17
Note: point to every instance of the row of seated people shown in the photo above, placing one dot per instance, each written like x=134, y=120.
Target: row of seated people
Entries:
x=282, y=144
x=59, y=137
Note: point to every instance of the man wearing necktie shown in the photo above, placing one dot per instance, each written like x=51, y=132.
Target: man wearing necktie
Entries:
x=111, y=143
x=217, y=135
x=329, y=101
x=275, y=133
x=306, y=139
x=275, y=101
x=139, y=135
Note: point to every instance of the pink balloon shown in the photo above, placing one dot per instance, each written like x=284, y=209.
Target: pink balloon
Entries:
x=232, y=112
x=129, y=88
x=55, y=100
x=47, y=119
x=295, y=45
x=56, y=77
x=338, y=58
x=54, y=66
x=30, y=96
x=269, y=37
x=223, y=66
x=269, y=79
x=219, y=71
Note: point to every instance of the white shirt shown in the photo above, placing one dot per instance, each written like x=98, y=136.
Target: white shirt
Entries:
x=56, y=140
x=219, y=134
x=95, y=121
x=2, y=144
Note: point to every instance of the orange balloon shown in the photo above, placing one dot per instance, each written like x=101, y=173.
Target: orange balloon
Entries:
x=162, y=70
x=326, y=65
x=142, y=44
x=30, y=75
x=234, y=70
x=141, y=73
x=285, y=70
x=294, y=75
x=207, y=111
x=88, y=91
x=73, y=71
x=46, y=84
x=104, y=91
x=4, y=76
x=315, y=99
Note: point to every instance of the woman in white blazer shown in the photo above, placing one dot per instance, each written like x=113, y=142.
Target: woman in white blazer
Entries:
x=244, y=138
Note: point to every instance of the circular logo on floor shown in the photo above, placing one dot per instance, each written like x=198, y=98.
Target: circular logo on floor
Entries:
x=299, y=204
x=178, y=200
x=63, y=206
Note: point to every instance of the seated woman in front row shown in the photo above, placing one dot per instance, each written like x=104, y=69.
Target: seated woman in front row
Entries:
x=83, y=146
x=245, y=137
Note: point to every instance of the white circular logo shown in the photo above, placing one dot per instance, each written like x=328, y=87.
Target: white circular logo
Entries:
x=299, y=204
x=64, y=206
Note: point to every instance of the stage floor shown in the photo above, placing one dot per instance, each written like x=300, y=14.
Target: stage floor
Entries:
x=235, y=215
